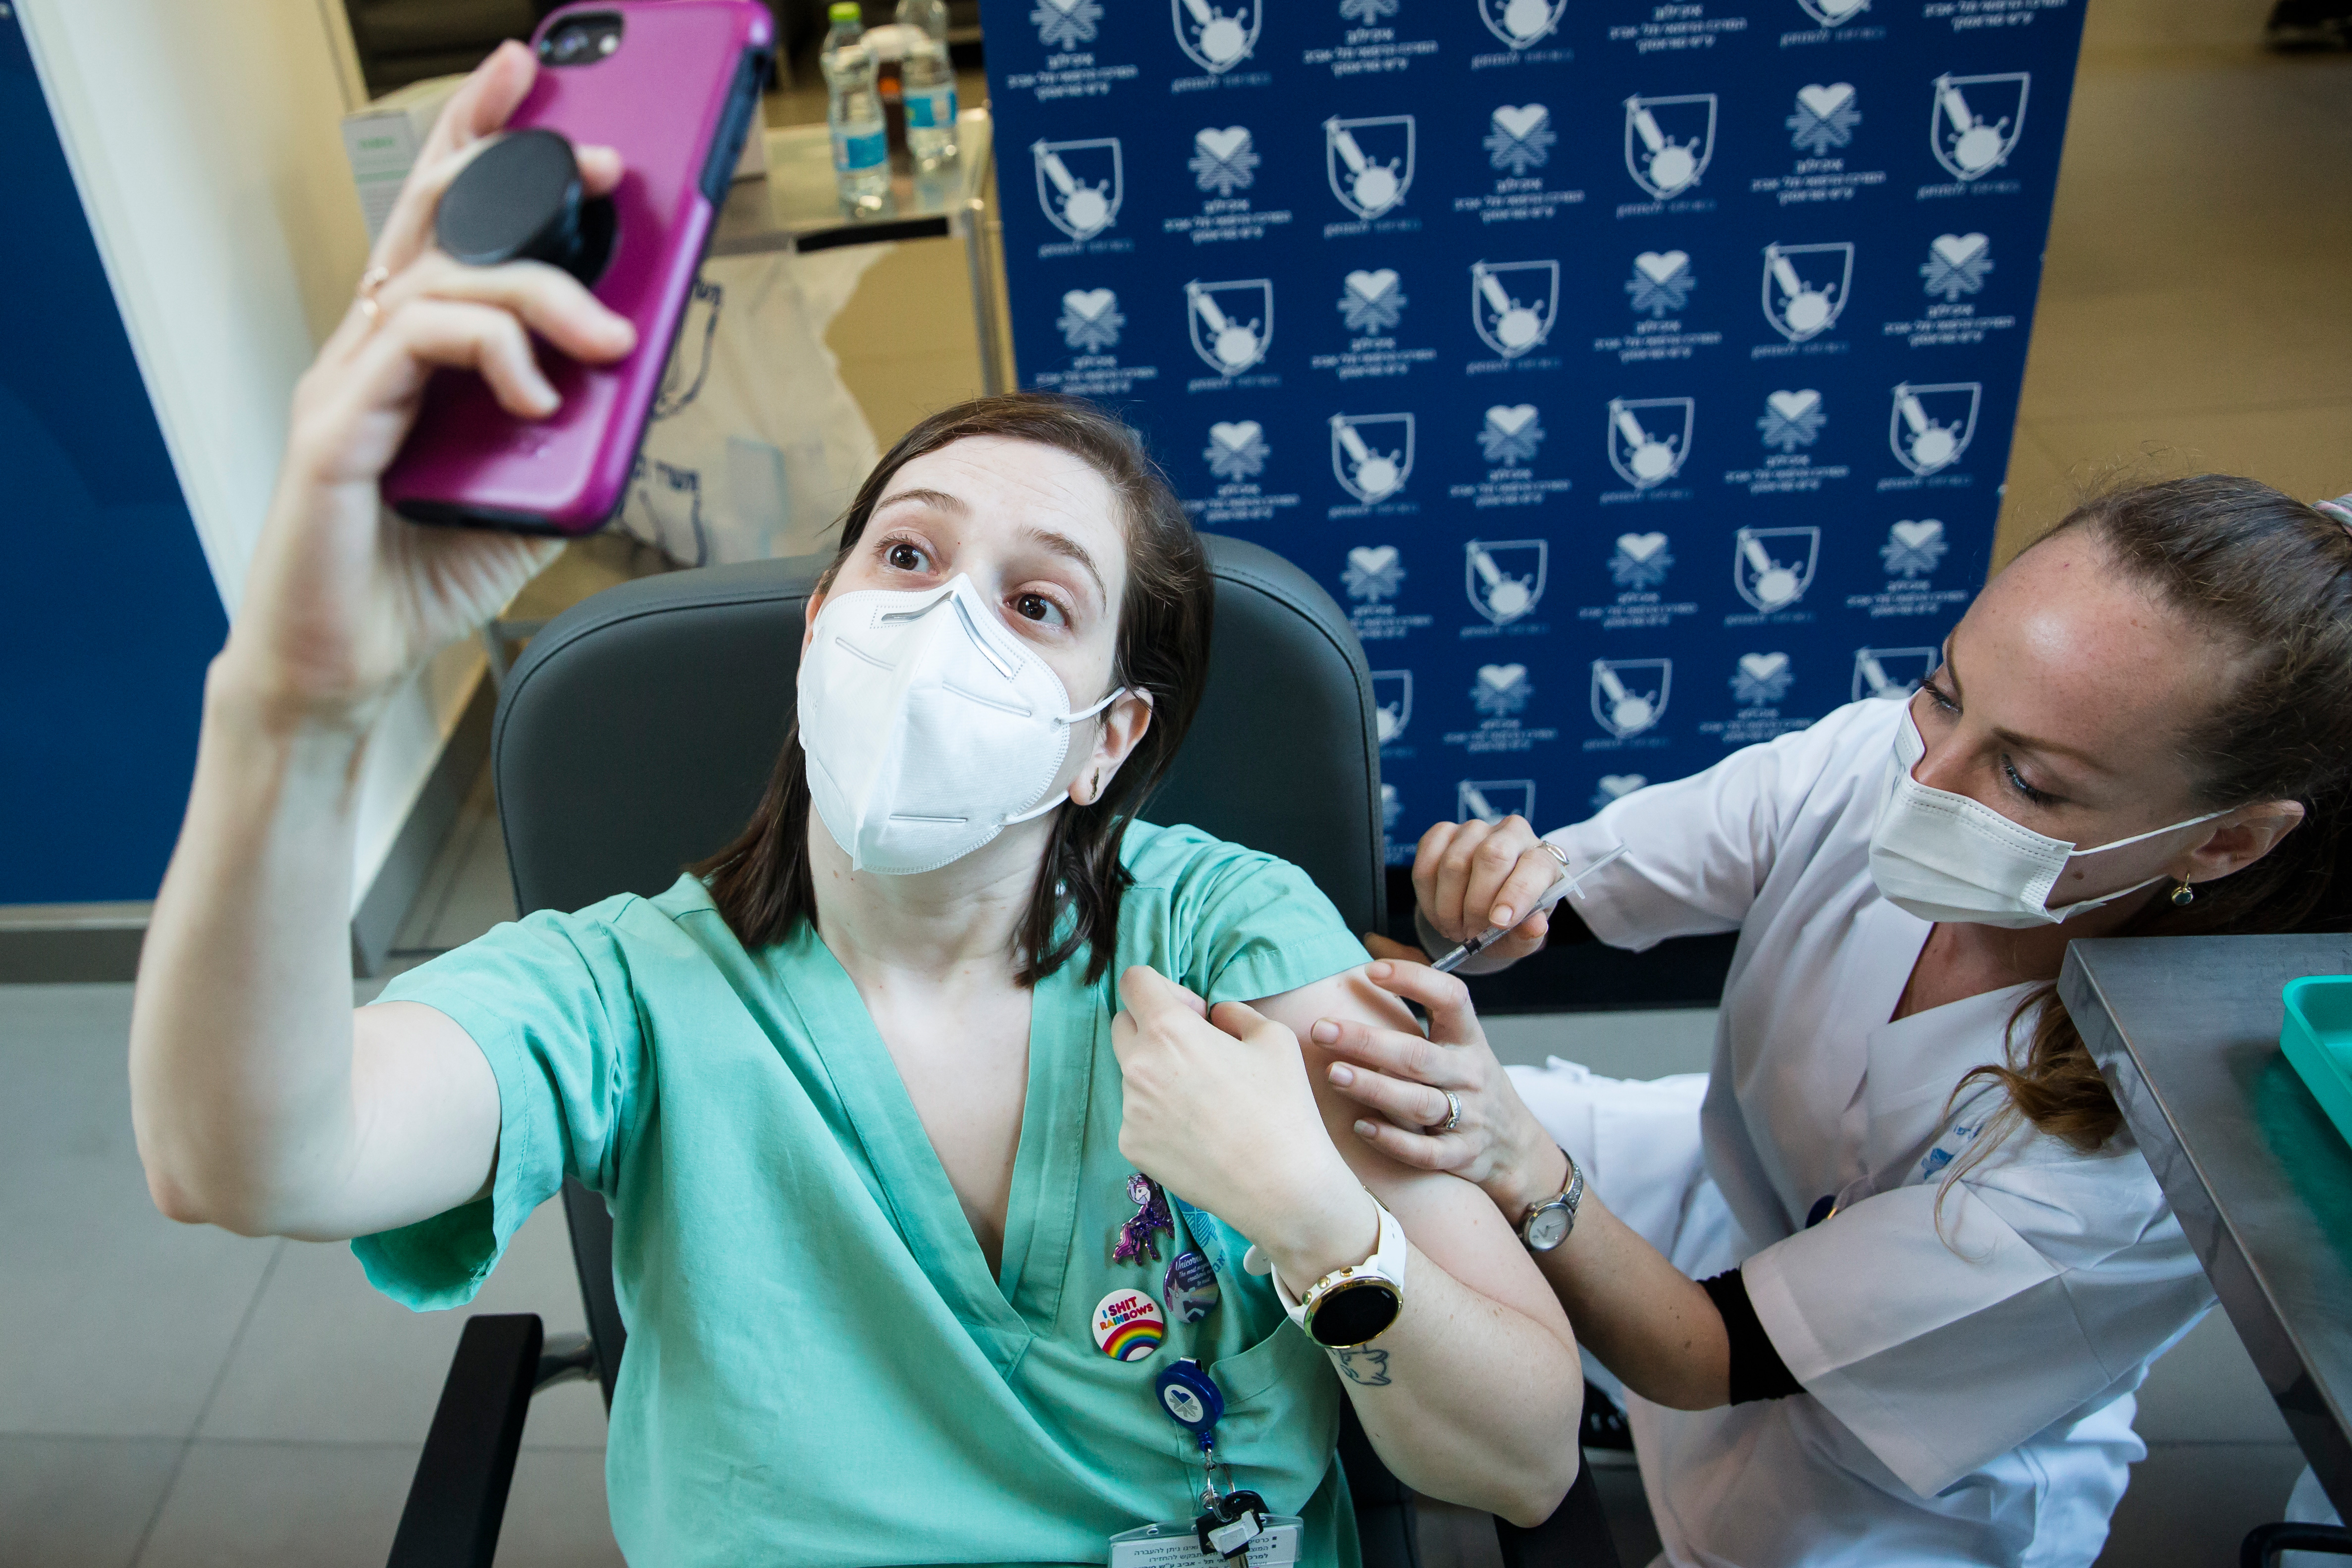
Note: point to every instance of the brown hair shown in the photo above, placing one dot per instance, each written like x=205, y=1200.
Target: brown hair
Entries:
x=2268, y=580
x=761, y=882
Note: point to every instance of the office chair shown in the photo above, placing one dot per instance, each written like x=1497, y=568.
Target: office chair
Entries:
x=636, y=734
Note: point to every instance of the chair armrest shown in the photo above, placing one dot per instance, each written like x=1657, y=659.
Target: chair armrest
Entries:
x=1575, y=1536
x=2263, y=1543
x=458, y=1496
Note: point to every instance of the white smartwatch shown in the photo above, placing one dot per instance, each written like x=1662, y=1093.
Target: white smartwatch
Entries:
x=1351, y=1306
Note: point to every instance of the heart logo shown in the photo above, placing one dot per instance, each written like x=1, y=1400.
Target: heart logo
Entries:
x=1659, y=268
x=1089, y=302
x=1763, y=666
x=1502, y=677
x=1824, y=101
x=1641, y=546
x=1916, y=534
x=1372, y=285
x=1520, y=122
x=1218, y=144
x=1063, y=5
x=1511, y=421
x=1234, y=437
x=1794, y=404
x=1617, y=786
x=1959, y=249
x=1372, y=560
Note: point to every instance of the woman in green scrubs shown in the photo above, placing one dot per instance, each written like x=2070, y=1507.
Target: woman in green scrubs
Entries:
x=874, y=1094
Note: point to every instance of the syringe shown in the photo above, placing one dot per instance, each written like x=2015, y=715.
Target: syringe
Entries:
x=1562, y=886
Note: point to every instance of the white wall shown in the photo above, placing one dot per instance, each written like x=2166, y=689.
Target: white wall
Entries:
x=203, y=137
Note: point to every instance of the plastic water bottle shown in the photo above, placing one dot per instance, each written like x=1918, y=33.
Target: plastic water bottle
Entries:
x=927, y=83
x=861, y=148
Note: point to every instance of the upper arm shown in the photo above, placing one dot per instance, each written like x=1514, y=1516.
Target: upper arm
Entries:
x=1452, y=1222
x=425, y=1105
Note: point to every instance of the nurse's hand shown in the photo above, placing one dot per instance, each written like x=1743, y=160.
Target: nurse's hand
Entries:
x=1471, y=877
x=1403, y=1078
x=1218, y=1109
x=343, y=601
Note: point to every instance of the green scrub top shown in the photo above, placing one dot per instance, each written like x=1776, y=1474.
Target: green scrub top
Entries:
x=822, y=1369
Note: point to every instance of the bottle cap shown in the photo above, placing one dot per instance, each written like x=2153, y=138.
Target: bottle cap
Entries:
x=845, y=11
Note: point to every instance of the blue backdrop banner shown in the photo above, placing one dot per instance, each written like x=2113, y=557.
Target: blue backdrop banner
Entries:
x=1641, y=376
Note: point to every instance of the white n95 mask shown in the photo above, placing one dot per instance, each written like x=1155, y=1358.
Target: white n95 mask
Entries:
x=929, y=727
x=1944, y=857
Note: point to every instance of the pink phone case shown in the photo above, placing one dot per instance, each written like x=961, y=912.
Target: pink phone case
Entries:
x=676, y=98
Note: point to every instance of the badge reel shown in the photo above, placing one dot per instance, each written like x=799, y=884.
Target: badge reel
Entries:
x=1234, y=1527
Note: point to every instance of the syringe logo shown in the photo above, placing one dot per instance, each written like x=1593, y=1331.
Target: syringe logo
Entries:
x=1371, y=454
x=1650, y=438
x=1079, y=184
x=1974, y=122
x=1668, y=142
x=1893, y=672
x=1512, y=304
x=1505, y=577
x=1214, y=37
x=1772, y=567
x=1232, y=323
x=1369, y=162
x=1931, y=426
x=1629, y=695
x=1806, y=287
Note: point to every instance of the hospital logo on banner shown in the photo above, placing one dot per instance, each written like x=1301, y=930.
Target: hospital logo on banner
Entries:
x=1374, y=574
x=1501, y=690
x=1661, y=283
x=1761, y=679
x=1792, y=419
x=1613, y=787
x=1232, y=324
x=1223, y=161
x=1629, y=695
x=1520, y=138
x=1371, y=454
x=1079, y=184
x=1066, y=24
x=1371, y=302
x=1825, y=118
x=1806, y=287
x=1650, y=438
x=1512, y=304
x=1641, y=561
x=1829, y=13
x=1931, y=426
x=1668, y=142
x=1511, y=435
x=1521, y=24
x=1391, y=702
x=1215, y=38
x=1236, y=450
x=1772, y=567
x=1492, y=800
x=1368, y=12
x=1893, y=672
x=1975, y=121
x=1090, y=320
x=1370, y=161
x=1913, y=548
x=1956, y=265
x=1505, y=577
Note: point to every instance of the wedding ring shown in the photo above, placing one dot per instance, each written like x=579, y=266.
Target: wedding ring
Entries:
x=1557, y=852
x=1452, y=1116
x=373, y=279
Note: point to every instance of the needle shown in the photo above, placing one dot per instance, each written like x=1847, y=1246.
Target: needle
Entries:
x=1562, y=886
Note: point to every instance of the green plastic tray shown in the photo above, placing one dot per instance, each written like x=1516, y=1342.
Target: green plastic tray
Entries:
x=2317, y=1039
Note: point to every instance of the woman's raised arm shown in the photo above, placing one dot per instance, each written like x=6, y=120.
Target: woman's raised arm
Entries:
x=259, y=1104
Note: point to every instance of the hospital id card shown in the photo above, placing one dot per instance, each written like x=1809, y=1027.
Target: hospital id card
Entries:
x=1176, y=1546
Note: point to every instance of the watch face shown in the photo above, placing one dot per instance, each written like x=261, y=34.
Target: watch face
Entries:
x=1548, y=1227
x=1354, y=1312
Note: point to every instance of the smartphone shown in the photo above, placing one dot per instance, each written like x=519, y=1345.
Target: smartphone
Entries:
x=674, y=86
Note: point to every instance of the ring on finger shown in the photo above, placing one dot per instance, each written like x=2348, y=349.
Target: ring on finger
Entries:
x=373, y=279
x=1557, y=852
x=1453, y=1115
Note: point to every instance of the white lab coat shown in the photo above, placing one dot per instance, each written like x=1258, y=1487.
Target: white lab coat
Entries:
x=1968, y=1393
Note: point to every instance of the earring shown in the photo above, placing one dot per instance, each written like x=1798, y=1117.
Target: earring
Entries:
x=2183, y=896
x=1096, y=786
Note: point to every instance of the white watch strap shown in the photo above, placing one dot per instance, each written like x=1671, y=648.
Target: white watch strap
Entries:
x=1390, y=1254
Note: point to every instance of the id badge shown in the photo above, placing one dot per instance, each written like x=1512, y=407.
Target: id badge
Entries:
x=1177, y=1546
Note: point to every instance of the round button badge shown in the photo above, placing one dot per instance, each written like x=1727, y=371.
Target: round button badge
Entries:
x=1128, y=1325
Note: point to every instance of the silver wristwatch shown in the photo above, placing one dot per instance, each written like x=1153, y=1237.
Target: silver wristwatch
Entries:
x=1546, y=1224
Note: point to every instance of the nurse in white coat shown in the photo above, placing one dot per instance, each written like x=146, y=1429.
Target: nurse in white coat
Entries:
x=1883, y=1296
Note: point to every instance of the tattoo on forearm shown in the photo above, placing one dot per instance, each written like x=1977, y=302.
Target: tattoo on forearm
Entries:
x=1369, y=1368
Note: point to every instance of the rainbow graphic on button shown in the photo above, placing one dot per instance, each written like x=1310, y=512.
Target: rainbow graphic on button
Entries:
x=1128, y=1325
